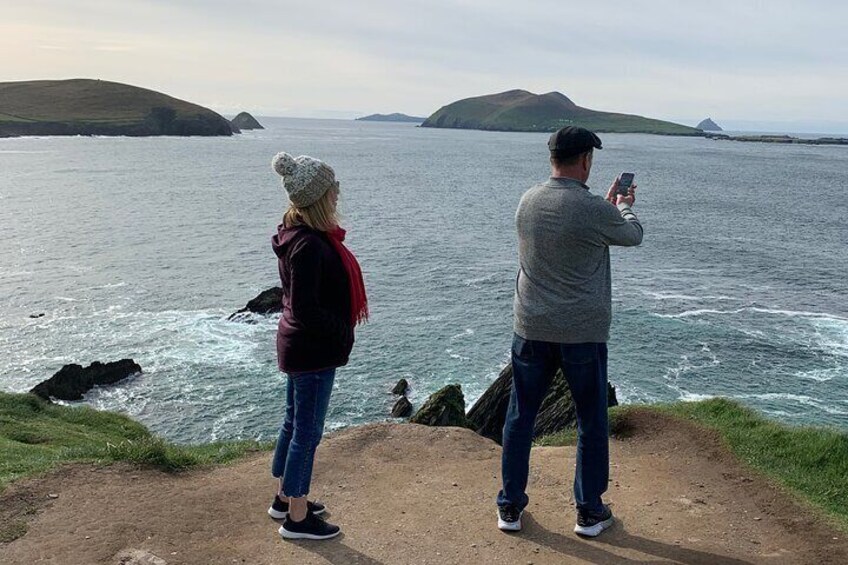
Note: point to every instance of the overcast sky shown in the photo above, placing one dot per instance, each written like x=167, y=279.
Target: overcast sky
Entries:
x=743, y=62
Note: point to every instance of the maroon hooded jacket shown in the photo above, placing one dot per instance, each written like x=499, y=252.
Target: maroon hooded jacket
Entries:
x=316, y=327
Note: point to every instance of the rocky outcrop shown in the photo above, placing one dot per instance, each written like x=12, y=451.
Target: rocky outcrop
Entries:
x=72, y=381
x=267, y=302
x=488, y=414
x=708, y=124
x=401, y=387
x=445, y=407
x=402, y=408
x=245, y=121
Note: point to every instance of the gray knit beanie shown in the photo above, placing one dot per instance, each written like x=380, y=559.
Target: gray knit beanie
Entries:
x=306, y=179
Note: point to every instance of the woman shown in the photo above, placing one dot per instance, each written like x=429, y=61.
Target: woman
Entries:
x=323, y=299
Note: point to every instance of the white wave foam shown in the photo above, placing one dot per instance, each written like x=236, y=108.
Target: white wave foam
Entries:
x=465, y=333
x=821, y=375
x=476, y=281
x=675, y=296
x=800, y=399
x=110, y=285
x=789, y=313
x=694, y=397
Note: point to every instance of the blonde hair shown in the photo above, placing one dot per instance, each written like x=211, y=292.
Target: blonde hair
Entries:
x=321, y=216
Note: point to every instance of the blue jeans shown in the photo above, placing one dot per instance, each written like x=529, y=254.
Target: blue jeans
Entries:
x=534, y=364
x=307, y=399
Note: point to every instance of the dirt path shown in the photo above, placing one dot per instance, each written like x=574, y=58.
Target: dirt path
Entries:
x=410, y=494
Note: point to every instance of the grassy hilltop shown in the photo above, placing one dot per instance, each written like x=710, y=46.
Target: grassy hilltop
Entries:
x=519, y=110
x=96, y=107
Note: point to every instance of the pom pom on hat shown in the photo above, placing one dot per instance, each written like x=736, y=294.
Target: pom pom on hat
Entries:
x=284, y=164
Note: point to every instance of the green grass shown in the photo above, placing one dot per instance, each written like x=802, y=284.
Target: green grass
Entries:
x=36, y=437
x=810, y=462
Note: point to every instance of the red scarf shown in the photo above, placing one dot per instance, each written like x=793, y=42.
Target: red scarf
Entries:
x=358, y=299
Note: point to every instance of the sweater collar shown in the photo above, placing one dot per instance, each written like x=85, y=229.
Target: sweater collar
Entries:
x=565, y=182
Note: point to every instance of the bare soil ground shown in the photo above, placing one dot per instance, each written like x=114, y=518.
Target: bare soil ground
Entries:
x=407, y=494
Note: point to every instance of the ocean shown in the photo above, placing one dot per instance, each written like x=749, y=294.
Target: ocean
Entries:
x=142, y=247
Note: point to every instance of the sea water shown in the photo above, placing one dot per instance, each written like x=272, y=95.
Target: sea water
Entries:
x=142, y=247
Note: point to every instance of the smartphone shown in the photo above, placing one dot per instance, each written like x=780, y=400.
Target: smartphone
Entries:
x=625, y=181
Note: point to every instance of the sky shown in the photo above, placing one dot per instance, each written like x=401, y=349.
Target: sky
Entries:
x=758, y=65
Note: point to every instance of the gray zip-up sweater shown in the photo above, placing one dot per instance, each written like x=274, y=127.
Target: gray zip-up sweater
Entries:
x=563, y=291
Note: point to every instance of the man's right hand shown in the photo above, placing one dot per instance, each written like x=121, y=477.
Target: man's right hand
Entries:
x=630, y=199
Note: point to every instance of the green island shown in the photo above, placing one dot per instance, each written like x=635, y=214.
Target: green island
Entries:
x=395, y=117
x=519, y=110
x=99, y=107
x=37, y=437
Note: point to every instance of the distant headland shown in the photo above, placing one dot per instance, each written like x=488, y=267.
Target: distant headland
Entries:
x=778, y=138
x=99, y=107
x=395, y=117
x=519, y=110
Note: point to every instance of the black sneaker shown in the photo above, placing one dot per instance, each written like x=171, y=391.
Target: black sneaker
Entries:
x=591, y=524
x=279, y=509
x=509, y=518
x=311, y=527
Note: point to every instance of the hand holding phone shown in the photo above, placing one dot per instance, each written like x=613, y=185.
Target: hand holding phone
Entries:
x=625, y=181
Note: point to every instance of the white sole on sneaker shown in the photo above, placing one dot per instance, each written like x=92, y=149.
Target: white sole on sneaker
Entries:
x=277, y=515
x=593, y=531
x=297, y=535
x=509, y=526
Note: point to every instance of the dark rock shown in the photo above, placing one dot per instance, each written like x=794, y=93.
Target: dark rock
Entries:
x=445, y=407
x=402, y=408
x=708, y=124
x=72, y=381
x=268, y=302
x=488, y=414
x=245, y=121
x=36, y=316
x=401, y=387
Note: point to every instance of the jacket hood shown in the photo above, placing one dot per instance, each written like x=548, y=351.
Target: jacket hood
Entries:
x=285, y=237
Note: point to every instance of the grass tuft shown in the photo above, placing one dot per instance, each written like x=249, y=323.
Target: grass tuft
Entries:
x=36, y=436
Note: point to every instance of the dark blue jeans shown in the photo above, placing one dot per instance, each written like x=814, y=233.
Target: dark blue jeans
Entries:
x=307, y=399
x=534, y=364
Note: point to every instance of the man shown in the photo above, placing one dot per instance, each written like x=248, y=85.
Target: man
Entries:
x=562, y=319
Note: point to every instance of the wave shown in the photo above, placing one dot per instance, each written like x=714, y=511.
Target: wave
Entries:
x=821, y=375
x=789, y=313
x=798, y=398
x=477, y=281
x=674, y=296
x=465, y=333
x=695, y=397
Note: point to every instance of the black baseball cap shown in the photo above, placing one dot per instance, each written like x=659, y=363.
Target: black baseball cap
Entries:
x=573, y=140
